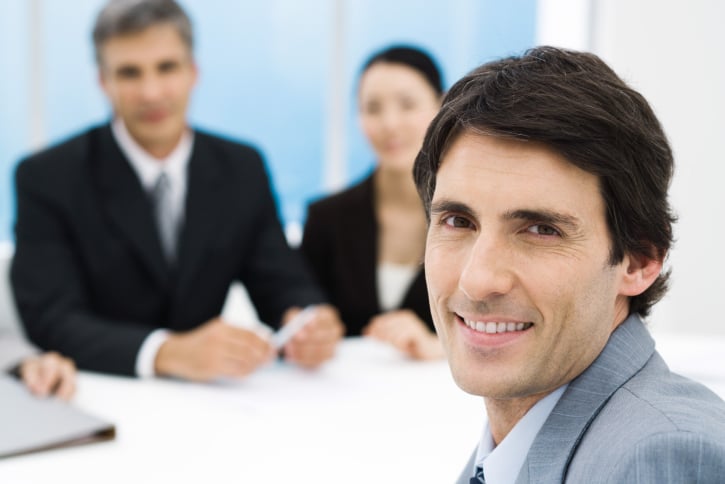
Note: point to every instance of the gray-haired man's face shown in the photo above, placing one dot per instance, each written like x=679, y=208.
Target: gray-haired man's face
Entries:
x=148, y=78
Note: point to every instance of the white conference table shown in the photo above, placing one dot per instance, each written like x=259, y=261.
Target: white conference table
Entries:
x=368, y=416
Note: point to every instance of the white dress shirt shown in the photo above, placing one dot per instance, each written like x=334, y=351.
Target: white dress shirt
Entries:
x=148, y=169
x=393, y=281
x=502, y=463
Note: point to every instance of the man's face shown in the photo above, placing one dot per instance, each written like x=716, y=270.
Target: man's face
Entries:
x=148, y=77
x=517, y=263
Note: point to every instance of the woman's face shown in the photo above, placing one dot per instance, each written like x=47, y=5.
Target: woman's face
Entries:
x=396, y=106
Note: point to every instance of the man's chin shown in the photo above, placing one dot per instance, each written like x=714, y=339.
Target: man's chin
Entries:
x=467, y=378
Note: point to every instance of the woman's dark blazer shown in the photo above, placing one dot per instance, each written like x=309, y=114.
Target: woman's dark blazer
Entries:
x=340, y=244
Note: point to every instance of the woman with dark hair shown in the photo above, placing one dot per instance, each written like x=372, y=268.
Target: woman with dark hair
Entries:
x=365, y=244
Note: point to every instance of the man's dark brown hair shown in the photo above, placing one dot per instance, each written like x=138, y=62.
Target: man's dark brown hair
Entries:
x=575, y=104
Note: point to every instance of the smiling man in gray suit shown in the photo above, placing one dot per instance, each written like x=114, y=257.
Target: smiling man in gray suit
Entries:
x=545, y=180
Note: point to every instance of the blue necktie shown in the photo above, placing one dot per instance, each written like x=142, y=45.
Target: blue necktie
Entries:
x=478, y=478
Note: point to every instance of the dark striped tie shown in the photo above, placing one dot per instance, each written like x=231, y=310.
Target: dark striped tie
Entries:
x=164, y=214
x=478, y=478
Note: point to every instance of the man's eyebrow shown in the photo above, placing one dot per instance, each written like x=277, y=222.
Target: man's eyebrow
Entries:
x=445, y=205
x=127, y=69
x=544, y=216
x=166, y=63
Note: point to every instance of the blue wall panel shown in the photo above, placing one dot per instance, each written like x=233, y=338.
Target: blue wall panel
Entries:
x=460, y=34
x=263, y=79
x=14, y=106
x=264, y=73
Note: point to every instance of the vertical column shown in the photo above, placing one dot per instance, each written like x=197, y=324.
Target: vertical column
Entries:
x=36, y=73
x=337, y=104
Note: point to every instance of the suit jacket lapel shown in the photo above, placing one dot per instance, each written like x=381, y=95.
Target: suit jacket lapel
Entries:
x=126, y=203
x=204, y=207
x=361, y=244
x=627, y=351
x=364, y=249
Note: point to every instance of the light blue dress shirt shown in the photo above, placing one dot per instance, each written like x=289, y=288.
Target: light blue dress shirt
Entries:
x=502, y=463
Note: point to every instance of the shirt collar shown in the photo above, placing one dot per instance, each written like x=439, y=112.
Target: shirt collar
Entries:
x=146, y=166
x=502, y=463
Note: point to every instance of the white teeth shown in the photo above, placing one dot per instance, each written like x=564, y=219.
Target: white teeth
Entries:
x=492, y=327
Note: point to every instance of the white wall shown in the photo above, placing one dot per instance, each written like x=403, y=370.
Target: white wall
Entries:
x=673, y=52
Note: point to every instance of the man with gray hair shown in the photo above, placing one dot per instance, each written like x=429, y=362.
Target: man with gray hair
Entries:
x=129, y=235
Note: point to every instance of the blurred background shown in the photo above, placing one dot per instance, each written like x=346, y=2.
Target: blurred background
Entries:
x=281, y=74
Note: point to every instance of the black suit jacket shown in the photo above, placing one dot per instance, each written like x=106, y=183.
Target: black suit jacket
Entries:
x=88, y=275
x=340, y=243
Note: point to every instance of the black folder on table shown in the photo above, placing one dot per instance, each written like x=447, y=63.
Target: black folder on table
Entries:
x=30, y=424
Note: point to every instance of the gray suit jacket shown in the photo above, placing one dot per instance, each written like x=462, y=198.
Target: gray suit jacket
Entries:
x=628, y=419
x=13, y=348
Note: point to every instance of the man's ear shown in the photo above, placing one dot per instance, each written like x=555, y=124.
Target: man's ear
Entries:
x=640, y=272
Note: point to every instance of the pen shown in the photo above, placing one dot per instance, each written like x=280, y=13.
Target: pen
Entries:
x=286, y=332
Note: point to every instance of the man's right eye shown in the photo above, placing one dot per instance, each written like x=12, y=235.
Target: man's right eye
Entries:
x=456, y=221
x=127, y=73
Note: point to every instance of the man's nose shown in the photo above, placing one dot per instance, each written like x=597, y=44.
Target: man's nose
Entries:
x=151, y=88
x=488, y=270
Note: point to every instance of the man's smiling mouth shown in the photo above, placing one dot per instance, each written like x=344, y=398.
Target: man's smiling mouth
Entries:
x=491, y=327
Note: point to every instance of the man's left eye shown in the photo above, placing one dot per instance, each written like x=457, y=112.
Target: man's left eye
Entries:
x=168, y=66
x=541, y=229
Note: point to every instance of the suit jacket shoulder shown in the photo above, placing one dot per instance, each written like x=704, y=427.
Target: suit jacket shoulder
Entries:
x=623, y=418
x=665, y=426
x=61, y=167
x=68, y=152
x=356, y=199
x=228, y=151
